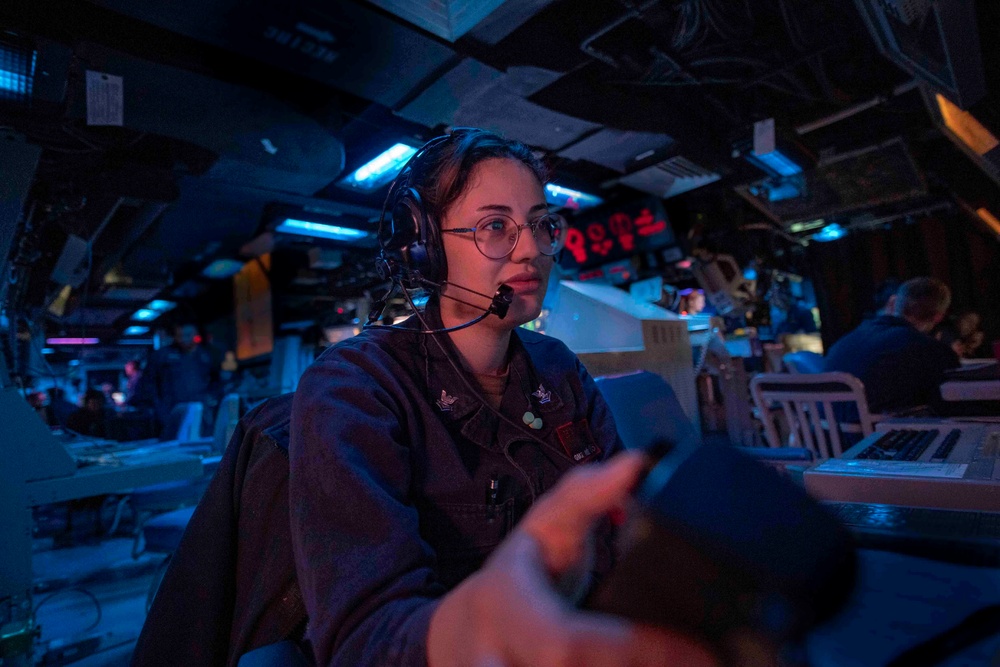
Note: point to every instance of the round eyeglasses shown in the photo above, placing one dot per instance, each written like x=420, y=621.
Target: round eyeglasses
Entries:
x=496, y=235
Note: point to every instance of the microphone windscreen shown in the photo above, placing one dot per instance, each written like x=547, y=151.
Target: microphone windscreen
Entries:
x=502, y=299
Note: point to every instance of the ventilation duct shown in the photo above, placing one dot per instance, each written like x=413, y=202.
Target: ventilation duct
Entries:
x=260, y=141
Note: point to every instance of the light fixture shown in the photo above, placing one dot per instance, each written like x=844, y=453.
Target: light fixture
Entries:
x=775, y=163
x=136, y=330
x=17, y=72
x=72, y=341
x=575, y=200
x=222, y=268
x=161, y=306
x=48, y=350
x=965, y=126
x=798, y=227
x=152, y=310
x=765, y=153
x=321, y=230
x=991, y=220
x=831, y=232
x=379, y=171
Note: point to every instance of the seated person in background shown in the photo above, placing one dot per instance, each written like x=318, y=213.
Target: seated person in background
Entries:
x=59, y=408
x=692, y=302
x=894, y=356
x=970, y=334
x=92, y=418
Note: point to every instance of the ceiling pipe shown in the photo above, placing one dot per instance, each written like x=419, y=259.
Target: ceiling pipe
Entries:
x=856, y=109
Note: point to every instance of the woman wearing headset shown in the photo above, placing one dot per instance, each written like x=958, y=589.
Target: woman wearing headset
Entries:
x=415, y=453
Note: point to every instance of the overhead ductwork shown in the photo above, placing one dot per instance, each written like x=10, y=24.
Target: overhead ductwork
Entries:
x=260, y=141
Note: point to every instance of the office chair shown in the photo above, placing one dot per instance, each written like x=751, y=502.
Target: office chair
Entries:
x=235, y=550
x=645, y=409
x=156, y=499
x=820, y=409
x=803, y=362
x=226, y=418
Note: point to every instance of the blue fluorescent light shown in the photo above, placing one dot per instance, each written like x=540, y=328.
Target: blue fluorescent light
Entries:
x=48, y=350
x=831, y=232
x=320, y=230
x=775, y=162
x=557, y=195
x=136, y=330
x=222, y=268
x=145, y=315
x=161, y=306
x=380, y=170
x=750, y=273
x=17, y=73
x=784, y=190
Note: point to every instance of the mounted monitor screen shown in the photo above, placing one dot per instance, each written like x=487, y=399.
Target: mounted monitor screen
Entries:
x=254, y=322
x=609, y=233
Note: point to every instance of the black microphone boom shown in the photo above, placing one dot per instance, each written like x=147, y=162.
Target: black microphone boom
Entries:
x=499, y=303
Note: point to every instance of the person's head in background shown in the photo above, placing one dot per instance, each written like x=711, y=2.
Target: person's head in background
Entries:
x=478, y=179
x=885, y=296
x=185, y=335
x=692, y=302
x=968, y=323
x=922, y=302
x=131, y=368
x=93, y=400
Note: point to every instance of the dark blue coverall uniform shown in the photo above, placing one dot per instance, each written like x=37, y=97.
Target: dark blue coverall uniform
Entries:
x=392, y=459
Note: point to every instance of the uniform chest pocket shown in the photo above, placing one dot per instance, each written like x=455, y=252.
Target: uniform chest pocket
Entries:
x=465, y=529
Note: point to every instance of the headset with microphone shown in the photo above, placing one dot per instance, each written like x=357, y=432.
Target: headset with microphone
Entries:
x=411, y=254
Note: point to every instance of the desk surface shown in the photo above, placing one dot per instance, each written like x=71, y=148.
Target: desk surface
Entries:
x=900, y=602
x=123, y=469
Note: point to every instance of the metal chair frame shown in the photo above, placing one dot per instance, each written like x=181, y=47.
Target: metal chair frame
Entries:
x=807, y=403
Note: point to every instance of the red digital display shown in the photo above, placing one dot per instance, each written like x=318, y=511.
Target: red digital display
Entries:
x=606, y=234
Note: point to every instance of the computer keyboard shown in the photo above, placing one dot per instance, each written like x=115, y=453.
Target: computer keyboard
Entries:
x=909, y=445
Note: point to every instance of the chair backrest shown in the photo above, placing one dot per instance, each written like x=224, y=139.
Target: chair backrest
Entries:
x=803, y=361
x=814, y=407
x=236, y=552
x=226, y=419
x=646, y=410
x=184, y=423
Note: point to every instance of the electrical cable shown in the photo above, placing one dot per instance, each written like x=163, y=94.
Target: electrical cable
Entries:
x=75, y=589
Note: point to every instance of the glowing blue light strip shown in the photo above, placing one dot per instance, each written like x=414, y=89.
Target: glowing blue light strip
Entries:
x=222, y=268
x=136, y=330
x=831, y=232
x=161, y=306
x=381, y=169
x=320, y=230
x=777, y=162
x=145, y=315
x=557, y=195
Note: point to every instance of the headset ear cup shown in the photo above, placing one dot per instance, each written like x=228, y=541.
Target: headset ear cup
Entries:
x=415, y=241
x=437, y=263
